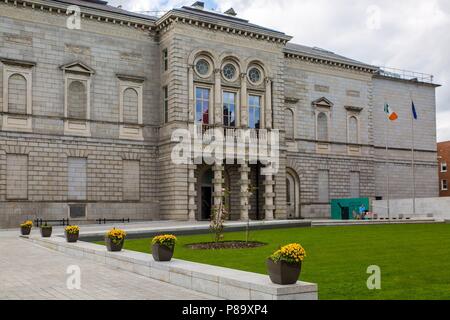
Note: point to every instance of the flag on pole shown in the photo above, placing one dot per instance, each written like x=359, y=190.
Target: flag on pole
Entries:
x=414, y=111
x=392, y=115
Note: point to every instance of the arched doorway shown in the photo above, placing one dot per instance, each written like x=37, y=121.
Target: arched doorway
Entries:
x=205, y=192
x=293, y=195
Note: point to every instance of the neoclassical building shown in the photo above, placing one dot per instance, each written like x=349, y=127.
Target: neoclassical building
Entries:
x=87, y=116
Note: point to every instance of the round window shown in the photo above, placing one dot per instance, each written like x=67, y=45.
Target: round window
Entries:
x=202, y=67
x=229, y=71
x=254, y=75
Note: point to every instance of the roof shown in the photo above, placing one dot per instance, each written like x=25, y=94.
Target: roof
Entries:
x=315, y=52
x=103, y=6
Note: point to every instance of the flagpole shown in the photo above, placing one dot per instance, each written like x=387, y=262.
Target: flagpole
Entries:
x=387, y=168
x=413, y=164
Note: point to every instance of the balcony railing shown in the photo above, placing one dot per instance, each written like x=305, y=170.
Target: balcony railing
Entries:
x=406, y=75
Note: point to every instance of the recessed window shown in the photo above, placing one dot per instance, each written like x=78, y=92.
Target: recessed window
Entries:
x=254, y=75
x=77, y=211
x=322, y=127
x=229, y=72
x=229, y=109
x=202, y=67
x=202, y=99
x=166, y=59
x=254, y=110
x=443, y=166
x=444, y=185
x=166, y=104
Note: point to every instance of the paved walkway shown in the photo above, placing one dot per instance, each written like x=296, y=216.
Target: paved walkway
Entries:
x=35, y=273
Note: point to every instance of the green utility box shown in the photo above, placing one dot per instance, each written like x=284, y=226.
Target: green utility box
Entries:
x=346, y=209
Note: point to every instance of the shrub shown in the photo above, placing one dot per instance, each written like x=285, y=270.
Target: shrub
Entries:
x=166, y=240
x=291, y=253
x=72, y=229
x=116, y=235
x=27, y=224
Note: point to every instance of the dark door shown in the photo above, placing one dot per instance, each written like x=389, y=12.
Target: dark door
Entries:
x=206, y=202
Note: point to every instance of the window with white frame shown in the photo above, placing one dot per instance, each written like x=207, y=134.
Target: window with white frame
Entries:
x=322, y=127
x=443, y=166
x=130, y=107
x=353, y=130
x=77, y=98
x=444, y=185
x=17, y=95
x=254, y=111
x=229, y=108
x=202, y=105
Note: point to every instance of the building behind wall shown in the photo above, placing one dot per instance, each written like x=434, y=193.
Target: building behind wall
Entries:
x=87, y=117
x=444, y=174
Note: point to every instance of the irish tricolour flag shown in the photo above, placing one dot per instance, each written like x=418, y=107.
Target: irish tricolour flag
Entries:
x=391, y=114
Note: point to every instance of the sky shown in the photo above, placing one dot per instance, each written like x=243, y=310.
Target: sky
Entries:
x=405, y=34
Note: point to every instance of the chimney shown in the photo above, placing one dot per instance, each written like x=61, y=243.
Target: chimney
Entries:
x=231, y=12
x=199, y=5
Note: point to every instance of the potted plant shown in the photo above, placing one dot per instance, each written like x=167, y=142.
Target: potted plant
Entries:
x=163, y=247
x=72, y=233
x=284, y=265
x=114, y=239
x=25, y=228
x=46, y=231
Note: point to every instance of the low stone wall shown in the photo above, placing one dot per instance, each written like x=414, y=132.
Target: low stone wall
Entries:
x=12, y=214
x=217, y=281
x=438, y=208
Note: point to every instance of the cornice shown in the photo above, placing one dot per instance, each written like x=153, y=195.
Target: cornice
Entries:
x=250, y=31
x=331, y=62
x=86, y=13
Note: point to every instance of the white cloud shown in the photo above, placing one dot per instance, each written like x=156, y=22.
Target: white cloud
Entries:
x=409, y=34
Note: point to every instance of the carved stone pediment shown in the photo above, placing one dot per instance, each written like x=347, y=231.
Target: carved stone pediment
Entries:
x=77, y=67
x=322, y=102
x=354, y=109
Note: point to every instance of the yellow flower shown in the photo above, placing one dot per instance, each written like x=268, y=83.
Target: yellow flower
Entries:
x=27, y=224
x=72, y=229
x=293, y=253
x=167, y=240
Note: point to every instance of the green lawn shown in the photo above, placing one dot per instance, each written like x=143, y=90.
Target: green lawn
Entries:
x=414, y=259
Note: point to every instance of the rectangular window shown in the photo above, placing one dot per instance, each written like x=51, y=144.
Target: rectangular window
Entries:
x=131, y=180
x=444, y=166
x=202, y=96
x=444, y=185
x=229, y=109
x=323, y=180
x=166, y=104
x=354, y=185
x=16, y=177
x=166, y=59
x=77, y=179
x=254, y=112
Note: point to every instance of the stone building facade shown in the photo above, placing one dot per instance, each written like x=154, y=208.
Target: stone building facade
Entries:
x=443, y=149
x=88, y=115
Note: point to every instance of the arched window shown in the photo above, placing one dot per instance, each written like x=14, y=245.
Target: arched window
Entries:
x=322, y=127
x=17, y=94
x=77, y=100
x=353, y=130
x=130, y=106
x=289, y=122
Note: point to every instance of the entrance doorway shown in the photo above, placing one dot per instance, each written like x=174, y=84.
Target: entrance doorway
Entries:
x=293, y=195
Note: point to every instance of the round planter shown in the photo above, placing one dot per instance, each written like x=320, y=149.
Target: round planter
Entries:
x=114, y=247
x=283, y=273
x=25, y=231
x=72, y=237
x=46, y=232
x=162, y=253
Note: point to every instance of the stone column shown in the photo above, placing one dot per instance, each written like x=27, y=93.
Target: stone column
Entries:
x=218, y=184
x=192, y=192
x=191, y=93
x=244, y=170
x=268, y=107
x=243, y=109
x=218, y=112
x=269, y=196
